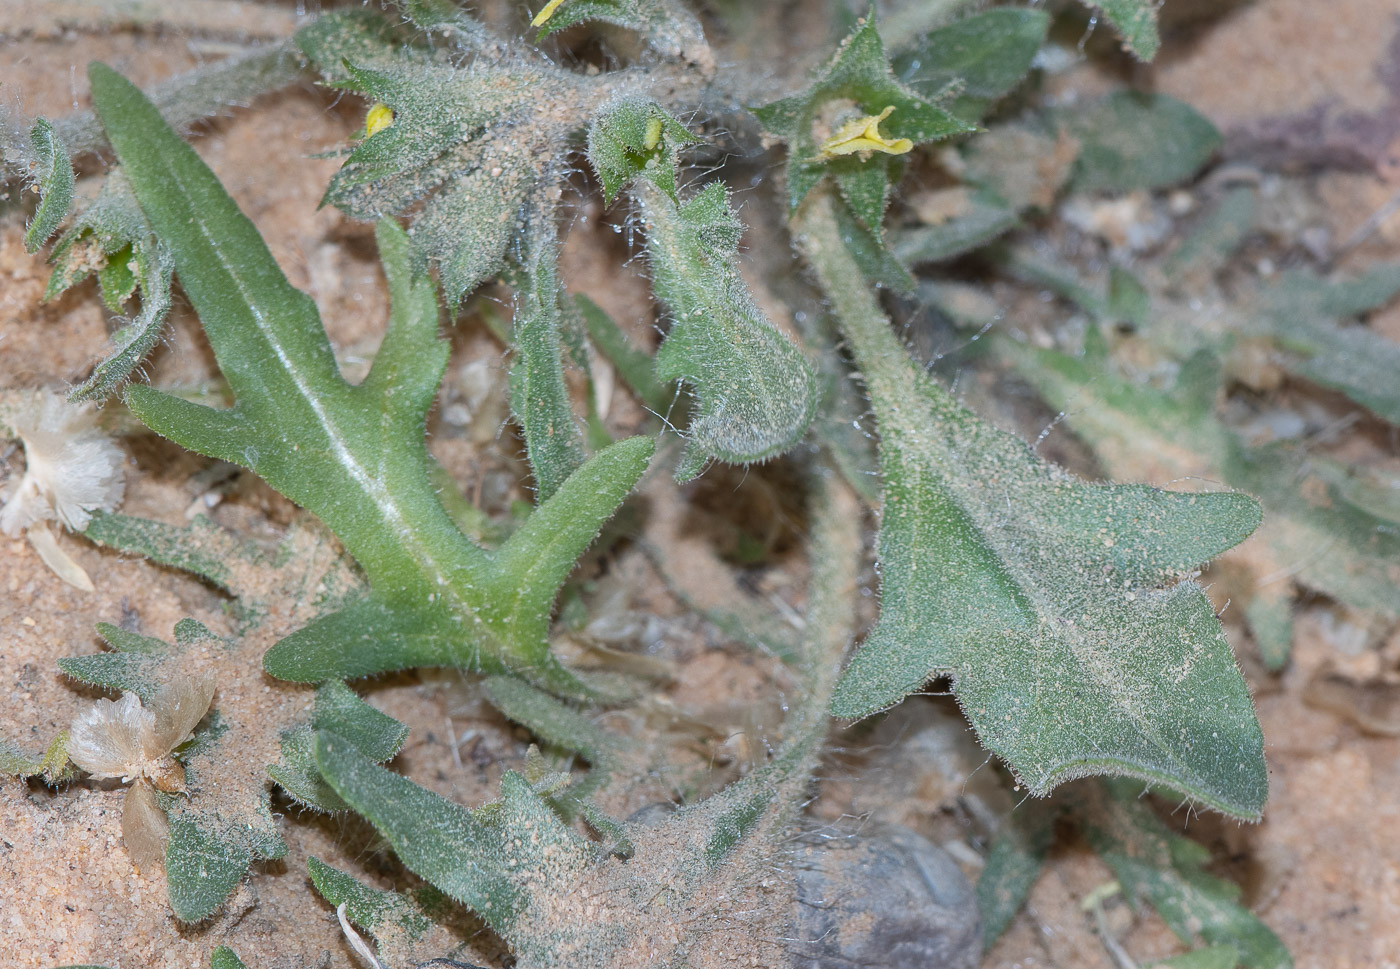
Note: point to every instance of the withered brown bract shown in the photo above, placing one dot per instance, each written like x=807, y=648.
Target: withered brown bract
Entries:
x=122, y=738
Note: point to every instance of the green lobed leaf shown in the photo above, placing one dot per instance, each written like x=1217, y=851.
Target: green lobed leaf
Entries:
x=55, y=184
x=1136, y=23
x=467, y=854
x=985, y=55
x=1154, y=865
x=352, y=455
x=1060, y=608
x=1132, y=140
x=755, y=393
x=514, y=863
x=635, y=137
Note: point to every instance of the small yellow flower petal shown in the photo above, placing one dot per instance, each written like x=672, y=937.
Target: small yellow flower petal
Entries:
x=379, y=117
x=546, y=13
x=863, y=134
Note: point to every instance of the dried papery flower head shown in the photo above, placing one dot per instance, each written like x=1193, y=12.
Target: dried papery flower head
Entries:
x=71, y=467
x=122, y=738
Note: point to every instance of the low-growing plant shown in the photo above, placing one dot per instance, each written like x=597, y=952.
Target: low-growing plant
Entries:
x=1063, y=613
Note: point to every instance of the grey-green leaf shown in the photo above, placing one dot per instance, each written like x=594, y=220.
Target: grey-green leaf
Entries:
x=1013, y=864
x=111, y=235
x=668, y=27
x=1303, y=313
x=464, y=151
x=491, y=860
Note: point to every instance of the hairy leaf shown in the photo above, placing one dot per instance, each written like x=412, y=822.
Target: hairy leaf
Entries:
x=55, y=179
x=225, y=958
x=526, y=874
x=755, y=393
x=221, y=827
x=1317, y=532
x=340, y=710
x=984, y=56
x=1013, y=865
x=352, y=454
x=1061, y=609
x=465, y=853
x=1130, y=140
x=204, y=862
x=52, y=765
x=409, y=929
x=466, y=147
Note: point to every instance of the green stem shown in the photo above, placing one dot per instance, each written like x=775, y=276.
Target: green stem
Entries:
x=886, y=367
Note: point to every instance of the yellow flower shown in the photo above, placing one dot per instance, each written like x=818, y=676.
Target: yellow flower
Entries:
x=379, y=117
x=546, y=13
x=863, y=135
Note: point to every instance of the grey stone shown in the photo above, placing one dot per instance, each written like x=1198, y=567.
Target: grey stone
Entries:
x=885, y=898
